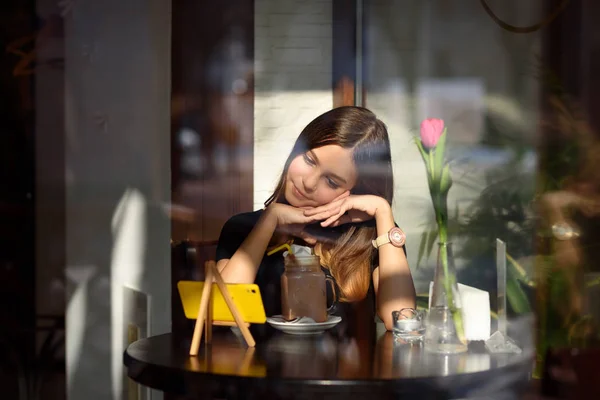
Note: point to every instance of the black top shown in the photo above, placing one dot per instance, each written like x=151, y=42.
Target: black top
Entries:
x=268, y=278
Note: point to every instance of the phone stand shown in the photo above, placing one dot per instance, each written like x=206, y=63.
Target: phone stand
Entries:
x=205, y=311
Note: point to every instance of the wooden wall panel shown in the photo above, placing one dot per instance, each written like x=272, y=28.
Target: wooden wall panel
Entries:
x=344, y=52
x=212, y=93
x=213, y=99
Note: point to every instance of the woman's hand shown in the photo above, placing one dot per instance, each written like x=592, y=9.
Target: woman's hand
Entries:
x=563, y=201
x=286, y=215
x=291, y=220
x=354, y=208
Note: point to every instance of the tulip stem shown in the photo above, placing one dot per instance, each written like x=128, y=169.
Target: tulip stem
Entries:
x=432, y=166
x=449, y=282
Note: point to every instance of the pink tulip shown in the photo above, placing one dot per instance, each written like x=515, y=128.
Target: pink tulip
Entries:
x=431, y=131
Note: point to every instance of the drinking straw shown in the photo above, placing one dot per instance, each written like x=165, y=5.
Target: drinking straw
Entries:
x=283, y=246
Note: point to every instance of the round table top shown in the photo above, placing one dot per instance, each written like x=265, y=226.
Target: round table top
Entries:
x=283, y=365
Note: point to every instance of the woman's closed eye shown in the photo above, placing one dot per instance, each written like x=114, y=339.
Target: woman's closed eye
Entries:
x=309, y=160
x=332, y=184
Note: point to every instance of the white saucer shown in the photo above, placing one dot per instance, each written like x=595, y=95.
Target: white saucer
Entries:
x=304, y=326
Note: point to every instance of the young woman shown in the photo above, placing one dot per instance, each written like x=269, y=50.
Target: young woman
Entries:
x=335, y=194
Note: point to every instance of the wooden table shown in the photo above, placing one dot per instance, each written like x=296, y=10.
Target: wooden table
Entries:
x=323, y=366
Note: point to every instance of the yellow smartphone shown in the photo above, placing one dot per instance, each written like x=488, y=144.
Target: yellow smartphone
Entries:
x=246, y=297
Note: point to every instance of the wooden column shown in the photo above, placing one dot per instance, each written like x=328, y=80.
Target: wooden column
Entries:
x=343, y=45
x=344, y=77
x=591, y=61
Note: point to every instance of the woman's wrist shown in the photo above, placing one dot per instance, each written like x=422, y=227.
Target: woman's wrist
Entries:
x=556, y=215
x=384, y=217
x=270, y=217
x=383, y=208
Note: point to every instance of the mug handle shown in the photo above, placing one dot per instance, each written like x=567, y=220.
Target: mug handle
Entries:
x=330, y=280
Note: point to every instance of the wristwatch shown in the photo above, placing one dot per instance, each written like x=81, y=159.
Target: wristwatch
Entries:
x=564, y=231
x=395, y=236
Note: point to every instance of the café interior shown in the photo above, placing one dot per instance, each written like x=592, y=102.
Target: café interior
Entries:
x=133, y=131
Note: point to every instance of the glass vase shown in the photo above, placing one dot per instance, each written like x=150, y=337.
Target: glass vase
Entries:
x=445, y=327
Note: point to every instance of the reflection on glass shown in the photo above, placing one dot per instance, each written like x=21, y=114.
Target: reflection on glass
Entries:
x=408, y=358
x=569, y=210
x=228, y=360
x=303, y=356
x=242, y=79
x=592, y=287
x=482, y=81
x=396, y=358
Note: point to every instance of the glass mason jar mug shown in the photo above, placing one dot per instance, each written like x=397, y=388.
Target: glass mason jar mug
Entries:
x=303, y=288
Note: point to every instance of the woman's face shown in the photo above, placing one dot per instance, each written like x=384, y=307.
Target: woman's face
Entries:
x=320, y=175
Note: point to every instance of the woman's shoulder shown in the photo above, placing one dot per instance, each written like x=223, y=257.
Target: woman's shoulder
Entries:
x=246, y=216
x=241, y=223
x=235, y=230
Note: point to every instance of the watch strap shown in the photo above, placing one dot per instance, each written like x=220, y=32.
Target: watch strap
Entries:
x=395, y=236
x=381, y=240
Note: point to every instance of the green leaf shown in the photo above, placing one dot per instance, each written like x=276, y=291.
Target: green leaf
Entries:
x=433, y=170
x=516, y=297
x=431, y=240
x=593, y=282
x=440, y=149
x=422, y=244
x=425, y=155
x=518, y=272
x=423, y=152
x=426, y=244
x=422, y=304
x=422, y=301
x=445, y=180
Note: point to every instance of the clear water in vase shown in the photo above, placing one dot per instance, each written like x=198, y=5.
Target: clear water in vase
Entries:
x=440, y=333
x=444, y=331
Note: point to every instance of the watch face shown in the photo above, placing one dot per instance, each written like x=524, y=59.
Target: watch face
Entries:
x=397, y=237
x=563, y=231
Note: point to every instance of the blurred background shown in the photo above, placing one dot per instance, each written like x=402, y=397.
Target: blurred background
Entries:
x=131, y=131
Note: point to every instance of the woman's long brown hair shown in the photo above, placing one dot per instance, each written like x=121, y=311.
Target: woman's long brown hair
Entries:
x=349, y=257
